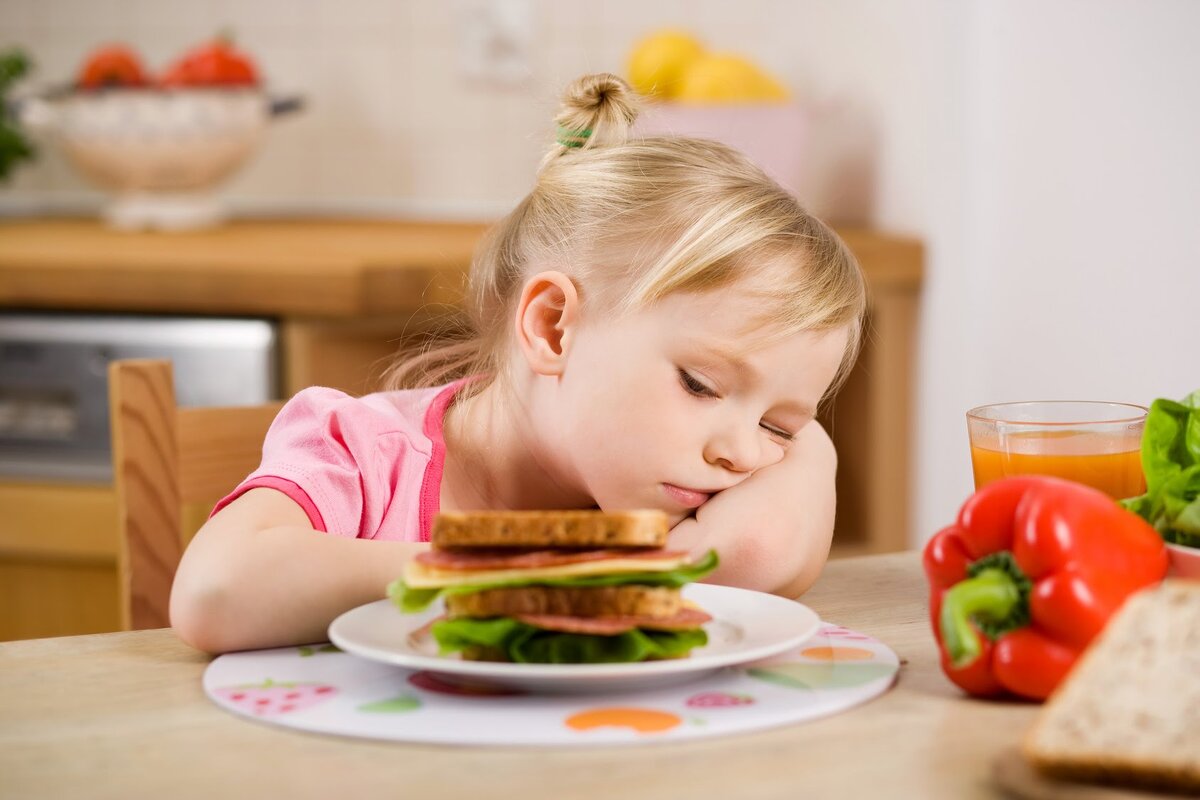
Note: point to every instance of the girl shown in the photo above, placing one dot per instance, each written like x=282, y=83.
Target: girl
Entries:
x=655, y=326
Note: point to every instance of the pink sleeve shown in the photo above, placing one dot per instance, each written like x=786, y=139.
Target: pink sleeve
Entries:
x=320, y=451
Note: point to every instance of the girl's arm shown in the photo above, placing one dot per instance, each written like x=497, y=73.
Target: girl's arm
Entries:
x=258, y=575
x=773, y=529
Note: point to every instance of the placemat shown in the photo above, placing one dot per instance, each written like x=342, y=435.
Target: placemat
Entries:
x=321, y=689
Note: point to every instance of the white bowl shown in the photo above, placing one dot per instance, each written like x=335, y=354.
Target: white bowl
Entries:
x=161, y=153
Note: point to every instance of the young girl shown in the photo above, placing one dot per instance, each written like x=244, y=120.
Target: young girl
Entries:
x=655, y=326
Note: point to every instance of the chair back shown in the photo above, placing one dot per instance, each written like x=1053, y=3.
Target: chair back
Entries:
x=170, y=466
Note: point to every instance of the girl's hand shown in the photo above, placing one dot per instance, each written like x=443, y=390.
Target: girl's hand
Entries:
x=773, y=529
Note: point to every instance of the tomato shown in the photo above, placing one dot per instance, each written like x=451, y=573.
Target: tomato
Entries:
x=213, y=64
x=115, y=65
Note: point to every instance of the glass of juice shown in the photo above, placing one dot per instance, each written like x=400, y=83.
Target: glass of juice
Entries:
x=1090, y=442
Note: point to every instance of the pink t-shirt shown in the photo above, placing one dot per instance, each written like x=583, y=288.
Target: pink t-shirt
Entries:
x=361, y=467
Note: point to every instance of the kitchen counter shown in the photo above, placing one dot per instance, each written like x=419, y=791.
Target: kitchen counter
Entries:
x=318, y=268
x=321, y=268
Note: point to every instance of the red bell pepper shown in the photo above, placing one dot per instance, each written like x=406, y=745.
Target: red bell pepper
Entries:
x=1028, y=576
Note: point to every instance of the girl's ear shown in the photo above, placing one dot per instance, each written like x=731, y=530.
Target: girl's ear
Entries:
x=546, y=319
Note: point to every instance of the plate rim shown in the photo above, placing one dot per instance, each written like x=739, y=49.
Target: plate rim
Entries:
x=583, y=672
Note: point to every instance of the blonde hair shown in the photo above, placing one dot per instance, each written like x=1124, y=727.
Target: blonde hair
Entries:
x=633, y=220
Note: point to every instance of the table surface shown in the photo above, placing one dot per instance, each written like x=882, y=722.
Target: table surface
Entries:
x=124, y=715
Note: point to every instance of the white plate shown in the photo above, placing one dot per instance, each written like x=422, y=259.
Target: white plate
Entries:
x=746, y=626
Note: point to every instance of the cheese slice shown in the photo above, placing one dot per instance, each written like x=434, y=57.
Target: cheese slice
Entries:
x=420, y=576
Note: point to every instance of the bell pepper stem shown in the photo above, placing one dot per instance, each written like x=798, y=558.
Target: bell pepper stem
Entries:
x=991, y=594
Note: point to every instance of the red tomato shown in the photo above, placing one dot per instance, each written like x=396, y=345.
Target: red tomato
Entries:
x=213, y=64
x=115, y=65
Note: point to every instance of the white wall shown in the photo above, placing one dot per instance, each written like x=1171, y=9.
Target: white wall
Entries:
x=1071, y=265
x=392, y=126
x=1045, y=150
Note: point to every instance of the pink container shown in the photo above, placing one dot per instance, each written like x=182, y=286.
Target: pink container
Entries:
x=1183, y=562
x=772, y=136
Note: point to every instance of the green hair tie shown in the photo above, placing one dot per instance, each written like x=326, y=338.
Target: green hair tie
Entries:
x=570, y=138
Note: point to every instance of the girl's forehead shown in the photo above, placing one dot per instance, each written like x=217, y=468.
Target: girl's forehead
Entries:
x=737, y=317
x=734, y=319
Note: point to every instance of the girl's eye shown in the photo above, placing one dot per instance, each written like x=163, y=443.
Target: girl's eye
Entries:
x=694, y=386
x=777, y=433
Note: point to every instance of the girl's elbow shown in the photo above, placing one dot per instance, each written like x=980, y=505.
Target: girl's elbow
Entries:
x=198, y=611
x=801, y=582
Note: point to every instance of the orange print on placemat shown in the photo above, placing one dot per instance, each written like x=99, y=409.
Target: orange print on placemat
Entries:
x=641, y=720
x=837, y=654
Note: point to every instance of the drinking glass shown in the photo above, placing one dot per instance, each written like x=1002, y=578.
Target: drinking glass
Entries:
x=1096, y=443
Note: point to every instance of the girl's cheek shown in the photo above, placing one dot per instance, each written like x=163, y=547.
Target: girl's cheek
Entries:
x=776, y=454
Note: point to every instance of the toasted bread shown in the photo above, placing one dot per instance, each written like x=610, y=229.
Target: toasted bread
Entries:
x=550, y=529
x=581, y=601
x=1129, y=711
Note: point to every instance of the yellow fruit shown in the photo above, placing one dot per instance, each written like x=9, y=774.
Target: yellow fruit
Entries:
x=657, y=62
x=727, y=78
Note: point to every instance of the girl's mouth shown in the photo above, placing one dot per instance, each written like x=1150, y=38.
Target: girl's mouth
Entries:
x=688, y=498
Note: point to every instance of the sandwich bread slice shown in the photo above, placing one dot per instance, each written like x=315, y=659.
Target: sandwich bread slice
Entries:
x=1129, y=711
x=556, y=587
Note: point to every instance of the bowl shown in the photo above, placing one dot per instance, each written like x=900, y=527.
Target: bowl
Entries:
x=159, y=153
x=1183, y=562
x=774, y=136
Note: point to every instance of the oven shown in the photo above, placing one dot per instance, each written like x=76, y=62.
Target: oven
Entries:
x=54, y=380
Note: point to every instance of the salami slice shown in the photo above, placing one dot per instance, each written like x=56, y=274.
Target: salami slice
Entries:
x=497, y=559
x=611, y=626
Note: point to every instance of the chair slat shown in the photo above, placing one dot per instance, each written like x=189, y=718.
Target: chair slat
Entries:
x=218, y=447
x=145, y=455
x=166, y=460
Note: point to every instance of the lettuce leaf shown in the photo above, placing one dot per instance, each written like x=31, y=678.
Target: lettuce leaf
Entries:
x=1171, y=463
x=525, y=644
x=410, y=600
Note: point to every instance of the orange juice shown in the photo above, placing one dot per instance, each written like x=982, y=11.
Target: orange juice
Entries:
x=1114, y=466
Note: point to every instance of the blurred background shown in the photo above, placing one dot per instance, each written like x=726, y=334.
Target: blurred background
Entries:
x=1044, y=153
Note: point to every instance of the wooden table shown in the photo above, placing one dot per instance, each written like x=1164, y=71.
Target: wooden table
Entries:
x=124, y=715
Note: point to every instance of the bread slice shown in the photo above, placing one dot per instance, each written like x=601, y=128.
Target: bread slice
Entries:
x=1129, y=711
x=579, y=601
x=550, y=529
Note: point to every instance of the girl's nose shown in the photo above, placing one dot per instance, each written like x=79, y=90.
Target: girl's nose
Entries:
x=735, y=450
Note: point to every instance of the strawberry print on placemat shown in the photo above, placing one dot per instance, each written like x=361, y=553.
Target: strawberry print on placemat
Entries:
x=269, y=697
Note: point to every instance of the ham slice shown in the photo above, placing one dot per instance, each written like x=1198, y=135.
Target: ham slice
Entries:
x=611, y=626
x=497, y=559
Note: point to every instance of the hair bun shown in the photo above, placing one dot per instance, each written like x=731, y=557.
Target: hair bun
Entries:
x=597, y=110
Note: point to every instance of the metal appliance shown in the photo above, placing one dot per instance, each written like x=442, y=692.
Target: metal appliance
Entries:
x=54, y=380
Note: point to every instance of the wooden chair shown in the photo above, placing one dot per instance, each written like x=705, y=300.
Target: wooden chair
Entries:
x=170, y=466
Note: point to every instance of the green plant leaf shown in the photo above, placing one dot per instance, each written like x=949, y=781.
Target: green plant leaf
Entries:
x=526, y=644
x=1171, y=463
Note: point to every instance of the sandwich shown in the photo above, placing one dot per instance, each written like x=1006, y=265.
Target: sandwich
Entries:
x=562, y=587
